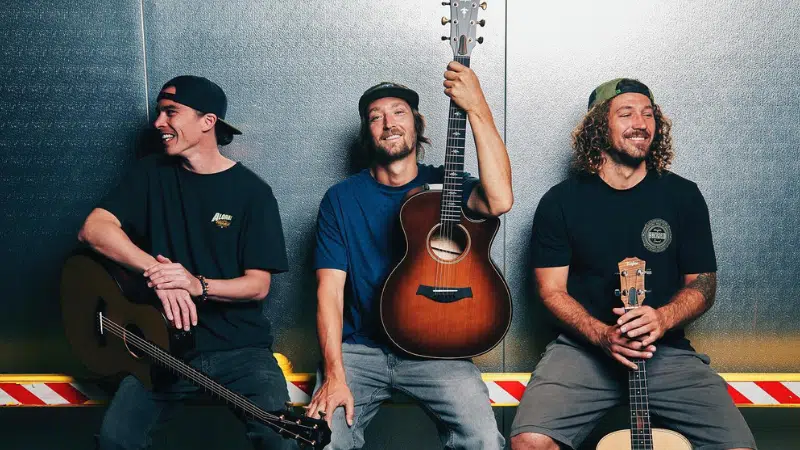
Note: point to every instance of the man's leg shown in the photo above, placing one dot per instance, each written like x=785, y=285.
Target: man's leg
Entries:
x=254, y=374
x=454, y=394
x=694, y=401
x=367, y=373
x=571, y=388
x=130, y=418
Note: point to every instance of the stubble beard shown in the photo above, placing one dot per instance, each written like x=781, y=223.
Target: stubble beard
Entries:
x=384, y=156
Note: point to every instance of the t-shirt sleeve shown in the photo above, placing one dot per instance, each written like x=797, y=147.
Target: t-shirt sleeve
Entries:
x=128, y=201
x=264, y=246
x=695, y=244
x=330, y=251
x=550, y=245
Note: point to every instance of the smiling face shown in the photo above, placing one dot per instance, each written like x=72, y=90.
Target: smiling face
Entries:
x=391, y=124
x=181, y=127
x=631, y=127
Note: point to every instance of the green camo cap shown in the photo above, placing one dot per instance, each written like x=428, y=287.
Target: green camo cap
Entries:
x=613, y=88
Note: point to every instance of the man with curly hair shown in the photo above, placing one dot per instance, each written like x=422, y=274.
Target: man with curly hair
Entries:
x=621, y=202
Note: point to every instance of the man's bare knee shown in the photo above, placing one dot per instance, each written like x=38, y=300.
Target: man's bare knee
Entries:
x=533, y=441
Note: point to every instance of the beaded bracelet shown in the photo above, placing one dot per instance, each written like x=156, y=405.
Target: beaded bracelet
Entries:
x=203, y=283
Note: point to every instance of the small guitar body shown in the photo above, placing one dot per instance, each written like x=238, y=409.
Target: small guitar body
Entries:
x=446, y=298
x=112, y=335
x=640, y=436
x=662, y=440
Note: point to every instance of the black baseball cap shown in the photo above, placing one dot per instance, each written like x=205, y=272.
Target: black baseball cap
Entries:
x=386, y=89
x=201, y=94
x=617, y=86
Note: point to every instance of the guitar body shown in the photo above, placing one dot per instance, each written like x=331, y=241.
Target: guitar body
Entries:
x=662, y=440
x=433, y=325
x=89, y=285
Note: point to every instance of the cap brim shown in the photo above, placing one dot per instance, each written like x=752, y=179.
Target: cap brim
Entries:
x=232, y=129
x=408, y=95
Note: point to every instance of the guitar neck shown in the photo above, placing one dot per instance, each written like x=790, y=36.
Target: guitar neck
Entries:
x=454, y=160
x=164, y=359
x=641, y=433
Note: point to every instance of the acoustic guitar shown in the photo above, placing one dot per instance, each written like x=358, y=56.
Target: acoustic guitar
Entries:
x=114, y=329
x=446, y=298
x=641, y=436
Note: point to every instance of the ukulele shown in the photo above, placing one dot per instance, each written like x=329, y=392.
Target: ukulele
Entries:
x=446, y=298
x=112, y=334
x=640, y=436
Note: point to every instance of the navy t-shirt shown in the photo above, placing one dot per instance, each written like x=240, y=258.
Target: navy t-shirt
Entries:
x=358, y=232
x=589, y=226
x=216, y=225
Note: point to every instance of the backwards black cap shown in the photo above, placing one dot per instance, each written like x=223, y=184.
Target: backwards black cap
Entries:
x=201, y=94
x=617, y=86
x=386, y=89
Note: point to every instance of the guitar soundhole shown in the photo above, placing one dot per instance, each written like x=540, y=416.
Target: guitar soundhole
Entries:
x=448, y=244
x=132, y=332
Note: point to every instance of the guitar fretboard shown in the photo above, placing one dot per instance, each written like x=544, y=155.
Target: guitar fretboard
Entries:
x=454, y=160
x=641, y=433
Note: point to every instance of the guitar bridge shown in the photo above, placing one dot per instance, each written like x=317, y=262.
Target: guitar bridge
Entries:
x=444, y=294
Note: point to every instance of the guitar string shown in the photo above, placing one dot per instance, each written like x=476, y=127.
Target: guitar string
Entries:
x=215, y=388
x=642, y=436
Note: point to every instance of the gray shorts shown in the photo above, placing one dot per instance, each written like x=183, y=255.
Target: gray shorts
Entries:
x=573, y=386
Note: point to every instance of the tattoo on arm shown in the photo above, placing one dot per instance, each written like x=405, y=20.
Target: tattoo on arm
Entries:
x=706, y=284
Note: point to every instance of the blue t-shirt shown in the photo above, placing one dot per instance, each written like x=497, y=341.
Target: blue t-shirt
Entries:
x=358, y=231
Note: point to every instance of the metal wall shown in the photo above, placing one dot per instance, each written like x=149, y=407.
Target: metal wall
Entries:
x=79, y=79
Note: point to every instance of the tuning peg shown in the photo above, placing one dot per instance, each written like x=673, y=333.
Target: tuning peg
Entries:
x=482, y=22
x=445, y=3
x=445, y=20
x=445, y=38
x=648, y=272
x=617, y=292
x=483, y=6
x=480, y=40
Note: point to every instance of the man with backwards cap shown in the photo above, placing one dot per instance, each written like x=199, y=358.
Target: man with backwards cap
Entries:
x=208, y=239
x=622, y=202
x=355, y=237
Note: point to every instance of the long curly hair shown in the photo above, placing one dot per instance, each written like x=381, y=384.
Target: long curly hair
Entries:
x=590, y=138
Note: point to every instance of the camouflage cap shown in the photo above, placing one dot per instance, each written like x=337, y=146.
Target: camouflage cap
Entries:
x=613, y=88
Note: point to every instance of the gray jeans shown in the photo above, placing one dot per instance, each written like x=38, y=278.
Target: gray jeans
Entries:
x=574, y=385
x=451, y=391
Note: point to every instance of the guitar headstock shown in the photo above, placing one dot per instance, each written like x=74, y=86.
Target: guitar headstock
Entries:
x=463, y=24
x=307, y=431
x=631, y=282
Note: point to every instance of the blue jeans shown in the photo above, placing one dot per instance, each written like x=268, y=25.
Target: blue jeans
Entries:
x=450, y=391
x=252, y=372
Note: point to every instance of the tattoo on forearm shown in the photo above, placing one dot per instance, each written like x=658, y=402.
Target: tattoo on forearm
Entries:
x=706, y=284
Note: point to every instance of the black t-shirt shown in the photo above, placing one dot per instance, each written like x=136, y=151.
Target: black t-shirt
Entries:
x=589, y=226
x=216, y=225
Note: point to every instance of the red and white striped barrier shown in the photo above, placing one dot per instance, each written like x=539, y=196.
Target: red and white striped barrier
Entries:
x=505, y=389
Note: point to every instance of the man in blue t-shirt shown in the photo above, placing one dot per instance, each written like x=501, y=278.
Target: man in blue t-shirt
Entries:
x=356, y=250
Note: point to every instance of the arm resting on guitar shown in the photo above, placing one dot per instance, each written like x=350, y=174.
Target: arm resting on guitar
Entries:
x=103, y=232
x=552, y=286
x=493, y=195
x=330, y=308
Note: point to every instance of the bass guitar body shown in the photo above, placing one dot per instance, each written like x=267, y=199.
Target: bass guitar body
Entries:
x=662, y=440
x=446, y=298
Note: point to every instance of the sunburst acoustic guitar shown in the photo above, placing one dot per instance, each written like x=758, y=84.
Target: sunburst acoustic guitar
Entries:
x=446, y=298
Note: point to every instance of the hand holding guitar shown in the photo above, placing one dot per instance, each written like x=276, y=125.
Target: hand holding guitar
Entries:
x=175, y=286
x=332, y=394
x=643, y=324
x=462, y=85
x=623, y=348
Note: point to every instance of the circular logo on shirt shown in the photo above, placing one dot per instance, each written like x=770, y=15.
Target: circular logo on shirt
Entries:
x=656, y=235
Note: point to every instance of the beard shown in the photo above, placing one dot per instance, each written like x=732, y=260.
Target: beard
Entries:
x=383, y=156
x=633, y=155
